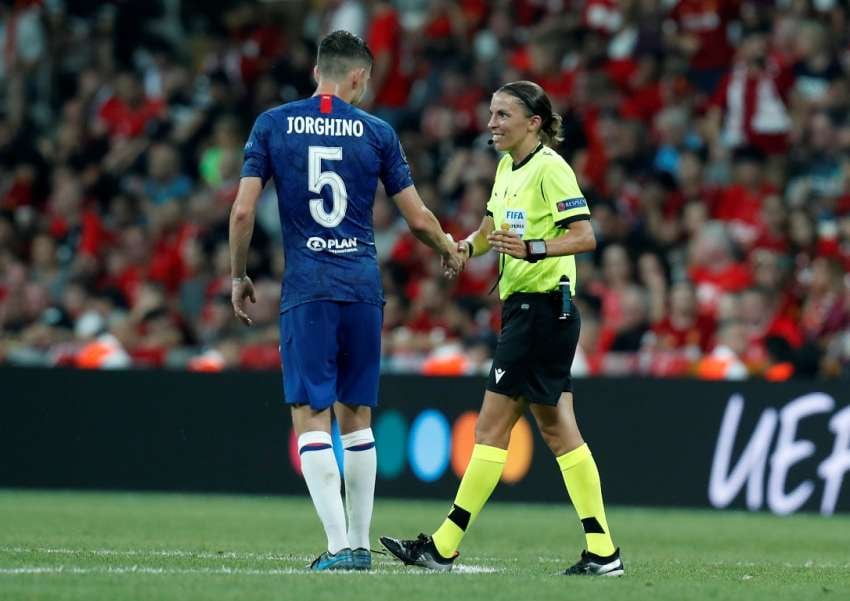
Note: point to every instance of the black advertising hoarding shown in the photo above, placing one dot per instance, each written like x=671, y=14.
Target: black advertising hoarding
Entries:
x=773, y=447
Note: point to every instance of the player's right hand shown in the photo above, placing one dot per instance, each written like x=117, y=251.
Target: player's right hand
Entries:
x=242, y=288
x=453, y=263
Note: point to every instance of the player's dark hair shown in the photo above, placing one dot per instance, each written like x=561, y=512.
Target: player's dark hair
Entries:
x=536, y=102
x=341, y=51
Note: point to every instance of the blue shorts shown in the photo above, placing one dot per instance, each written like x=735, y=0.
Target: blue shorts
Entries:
x=331, y=351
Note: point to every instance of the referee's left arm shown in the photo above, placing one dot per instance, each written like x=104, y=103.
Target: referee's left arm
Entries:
x=578, y=239
x=476, y=243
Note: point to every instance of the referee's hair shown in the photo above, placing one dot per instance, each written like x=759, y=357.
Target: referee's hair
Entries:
x=536, y=102
x=340, y=52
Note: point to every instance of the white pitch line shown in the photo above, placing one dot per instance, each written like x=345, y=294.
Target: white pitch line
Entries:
x=221, y=571
x=77, y=570
x=472, y=569
x=156, y=553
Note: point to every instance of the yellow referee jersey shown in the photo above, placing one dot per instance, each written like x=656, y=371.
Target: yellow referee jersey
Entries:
x=538, y=199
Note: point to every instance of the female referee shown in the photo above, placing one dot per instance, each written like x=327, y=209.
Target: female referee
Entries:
x=538, y=220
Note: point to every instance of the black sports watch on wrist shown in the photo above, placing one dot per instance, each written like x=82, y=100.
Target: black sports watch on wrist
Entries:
x=535, y=250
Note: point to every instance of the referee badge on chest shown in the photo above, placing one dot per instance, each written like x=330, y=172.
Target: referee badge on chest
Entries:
x=515, y=220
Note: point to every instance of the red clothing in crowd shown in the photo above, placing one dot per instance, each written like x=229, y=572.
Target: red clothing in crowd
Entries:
x=166, y=264
x=125, y=121
x=824, y=315
x=766, y=239
x=475, y=12
x=754, y=106
x=424, y=322
x=92, y=233
x=708, y=21
x=643, y=103
x=384, y=38
x=711, y=283
x=699, y=334
x=738, y=203
x=259, y=50
x=782, y=326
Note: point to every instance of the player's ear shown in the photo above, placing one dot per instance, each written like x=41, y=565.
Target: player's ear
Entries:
x=359, y=76
x=535, y=122
x=316, y=73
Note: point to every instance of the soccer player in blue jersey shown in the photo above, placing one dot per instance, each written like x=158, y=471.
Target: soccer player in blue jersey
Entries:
x=326, y=157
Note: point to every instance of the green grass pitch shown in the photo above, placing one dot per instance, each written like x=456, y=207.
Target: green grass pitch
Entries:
x=121, y=546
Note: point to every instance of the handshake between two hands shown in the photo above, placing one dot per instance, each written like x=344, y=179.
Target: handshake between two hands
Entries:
x=454, y=262
x=504, y=241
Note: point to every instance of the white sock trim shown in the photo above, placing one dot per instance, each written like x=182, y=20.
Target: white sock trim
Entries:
x=353, y=439
x=314, y=437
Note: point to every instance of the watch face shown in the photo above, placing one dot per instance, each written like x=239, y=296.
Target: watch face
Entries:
x=537, y=247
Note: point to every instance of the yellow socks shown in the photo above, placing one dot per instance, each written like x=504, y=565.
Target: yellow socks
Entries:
x=481, y=476
x=582, y=480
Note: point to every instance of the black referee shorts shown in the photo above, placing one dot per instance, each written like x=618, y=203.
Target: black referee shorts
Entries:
x=535, y=349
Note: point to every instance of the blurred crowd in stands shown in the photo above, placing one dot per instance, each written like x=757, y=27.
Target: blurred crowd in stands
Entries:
x=711, y=138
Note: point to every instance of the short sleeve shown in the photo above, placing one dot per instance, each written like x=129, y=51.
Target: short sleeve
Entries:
x=491, y=202
x=395, y=171
x=562, y=195
x=491, y=210
x=257, y=161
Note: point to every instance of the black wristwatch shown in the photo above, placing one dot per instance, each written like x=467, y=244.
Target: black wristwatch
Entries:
x=471, y=248
x=535, y=250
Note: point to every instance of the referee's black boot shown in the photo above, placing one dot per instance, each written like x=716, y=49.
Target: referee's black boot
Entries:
x=420, y=552
x=592, y=564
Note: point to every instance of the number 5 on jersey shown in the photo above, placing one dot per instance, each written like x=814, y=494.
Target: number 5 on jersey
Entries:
x=318, y=179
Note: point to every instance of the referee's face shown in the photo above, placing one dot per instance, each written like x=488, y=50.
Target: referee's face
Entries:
x=509, y=125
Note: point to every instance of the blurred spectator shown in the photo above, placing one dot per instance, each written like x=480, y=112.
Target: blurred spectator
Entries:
x=825, y=311
x=634, y=321
x=817, y=70
x=751, y=95
x=684, y=329
x=713, y=267
x=23, y=40
x=227, y=138
x=699, y=30
x=390, y=80
x=165, y=182
x=128, y=112
x=740, y=204
x=724, y=362
x=779, y=362
x=762, y=317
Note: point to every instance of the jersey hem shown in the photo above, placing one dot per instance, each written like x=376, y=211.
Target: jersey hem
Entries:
x=287, y=307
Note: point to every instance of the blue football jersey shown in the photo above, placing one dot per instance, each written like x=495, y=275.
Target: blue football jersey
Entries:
x=326, y=157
